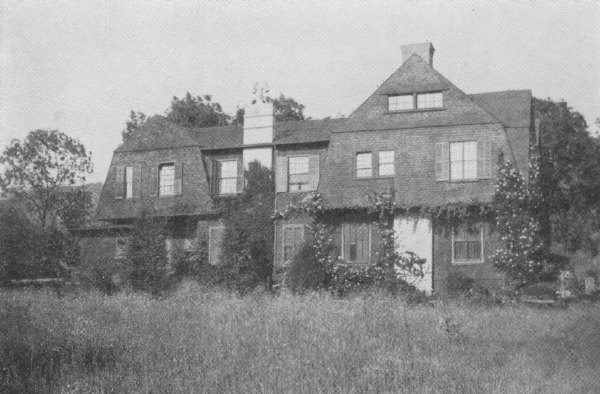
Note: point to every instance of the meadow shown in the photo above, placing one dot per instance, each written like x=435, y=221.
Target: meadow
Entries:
x=199, y=341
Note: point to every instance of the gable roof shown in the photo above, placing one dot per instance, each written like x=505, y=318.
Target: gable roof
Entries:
x=416, y=75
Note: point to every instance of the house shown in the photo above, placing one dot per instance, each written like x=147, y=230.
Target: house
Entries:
x=418, y=133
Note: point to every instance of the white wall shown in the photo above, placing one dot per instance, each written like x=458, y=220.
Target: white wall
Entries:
x=417, y=237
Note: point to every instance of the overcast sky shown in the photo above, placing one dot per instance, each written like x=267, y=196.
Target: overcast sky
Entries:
x=80, y=67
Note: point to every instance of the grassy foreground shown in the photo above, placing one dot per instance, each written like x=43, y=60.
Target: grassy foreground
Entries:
x=201, y=342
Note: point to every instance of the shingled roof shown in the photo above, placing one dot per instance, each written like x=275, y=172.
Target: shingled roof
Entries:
x=511, y=107
x=158, y=133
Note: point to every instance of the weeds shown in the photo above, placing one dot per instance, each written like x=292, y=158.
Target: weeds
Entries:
x=205, y=342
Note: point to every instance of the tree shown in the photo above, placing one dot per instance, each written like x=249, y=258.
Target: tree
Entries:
x=136, y=120
x=248, y=240
x=36, y=168
x=287, y=109
x=197, y=112
x=569, y=179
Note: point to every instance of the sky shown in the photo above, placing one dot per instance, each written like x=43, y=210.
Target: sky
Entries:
x=82, y=66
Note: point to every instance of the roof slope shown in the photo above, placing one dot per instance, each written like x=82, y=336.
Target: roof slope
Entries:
x=511, y=107
x=158, y=133
x=415, y=75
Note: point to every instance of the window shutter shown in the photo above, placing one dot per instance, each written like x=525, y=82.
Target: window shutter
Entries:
x=119, y=182
x=214, y=177
x=137, y=180
x=240, y=177
x=442, y=161
x=154, y=181
x=313, y=172
x=281, y=174
x=178, y=179
x=484, y=159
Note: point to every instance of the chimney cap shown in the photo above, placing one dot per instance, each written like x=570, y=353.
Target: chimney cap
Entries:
x=424, y=49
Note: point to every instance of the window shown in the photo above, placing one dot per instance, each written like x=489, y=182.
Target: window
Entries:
x=121, y=248
x=467, y=245
x=228, y=177
x=386, y=163
x=364, y=165
x=429, y=100
x=298, y=173
x=293, y=237
x=463, y=160
x=128, y=182
x=401, y=103
x=356, y=243
x=166, y=179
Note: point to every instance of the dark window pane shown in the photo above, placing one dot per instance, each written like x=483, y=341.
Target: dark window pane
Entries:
x=353, y=252
x=460, y=251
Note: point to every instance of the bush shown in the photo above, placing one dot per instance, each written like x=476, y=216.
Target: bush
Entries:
x=305, y=272
x=458, y=285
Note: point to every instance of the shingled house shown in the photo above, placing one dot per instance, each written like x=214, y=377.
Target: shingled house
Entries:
x=418, y=133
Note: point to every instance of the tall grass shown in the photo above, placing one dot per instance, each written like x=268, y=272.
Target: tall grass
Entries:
x=203, y=342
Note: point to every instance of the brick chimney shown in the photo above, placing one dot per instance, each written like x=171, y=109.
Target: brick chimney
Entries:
x=425, y=50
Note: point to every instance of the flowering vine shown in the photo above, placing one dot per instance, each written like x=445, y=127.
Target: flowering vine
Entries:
x=521, y=258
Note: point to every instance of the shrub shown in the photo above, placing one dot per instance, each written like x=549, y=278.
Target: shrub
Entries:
x=305, y=272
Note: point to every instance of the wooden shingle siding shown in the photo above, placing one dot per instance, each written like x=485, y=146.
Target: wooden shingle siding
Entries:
x=281, y=174
x=154, y=180
x=313, y=172
x=137, y=180
x=442, y=161
x=484, y=159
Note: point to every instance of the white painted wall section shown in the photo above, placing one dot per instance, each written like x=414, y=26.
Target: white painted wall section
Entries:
x=263, y=155
x=416, y=236
x=259, y=120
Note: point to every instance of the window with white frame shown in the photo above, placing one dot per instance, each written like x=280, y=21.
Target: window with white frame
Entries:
x=298, y=173
x=166, y=179
x=364, y=165
x=401, y=102
x=467, y=245
x=429, y=100
x=121, y=247
x=386, y=163
x=128, y=182
x=463, y=160
x=228, y=177
x=293, y=237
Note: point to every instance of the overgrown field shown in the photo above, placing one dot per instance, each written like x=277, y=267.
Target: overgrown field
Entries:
x=203, y=342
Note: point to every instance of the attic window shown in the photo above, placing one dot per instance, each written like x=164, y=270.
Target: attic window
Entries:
x=429, y=100
x=401, y=102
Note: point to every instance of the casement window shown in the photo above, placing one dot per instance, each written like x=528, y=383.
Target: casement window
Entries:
x=386, y=163
x=464, y=160
x=228, y=176
x=356, y=243
x=364, y=165
x=293, y=237
x=296, y=173
x=401, y=103
x=127, y=181
x=121, y=247
x=467, y=245
x=215, y=244
x=429, y=100
x=166, y=179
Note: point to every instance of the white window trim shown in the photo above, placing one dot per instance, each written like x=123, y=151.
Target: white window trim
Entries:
x=219, y=163
x=425, y=93
x=292, y=226
x=160, y=166
x=411, y=95
x=470, y=262
x=307, y=174
x=463, y=179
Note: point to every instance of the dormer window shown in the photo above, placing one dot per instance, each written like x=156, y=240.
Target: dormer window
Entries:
x=415, y=101
x=401, y=103
x=429, y=100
